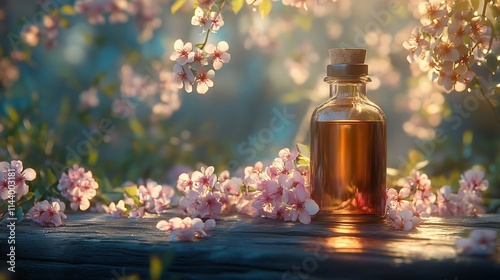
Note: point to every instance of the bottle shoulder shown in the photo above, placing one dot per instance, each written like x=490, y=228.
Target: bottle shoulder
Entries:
x=348, y=109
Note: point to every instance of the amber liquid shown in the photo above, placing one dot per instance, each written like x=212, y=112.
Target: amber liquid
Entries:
x=348, y=166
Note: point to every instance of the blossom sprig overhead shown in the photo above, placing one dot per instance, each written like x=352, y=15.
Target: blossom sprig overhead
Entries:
x=454, y=43
x=415, y=201
x=193, y=67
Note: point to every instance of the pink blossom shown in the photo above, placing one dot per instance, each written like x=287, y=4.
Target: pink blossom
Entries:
x=219, y=54
x=209, y=205
x=201, y=18
x=148, y=194
x=203, y=80
x=301, y=205
x=48, y=214
x=404, y=219
x=117, y=210
x=183, y=52
x=31, y=34
x=78, y=186
x=199, y=60
x=117, y=10
x=473, y=180
x=396, y=201
x=431, y=10
x=183, y=77
x=184, y=182
x=204, y=178
x=216, y=21
x=270, y=198
x=481, y=242
x=415, y=45
x=186, y=229
x=20, y=178
x=447, y=202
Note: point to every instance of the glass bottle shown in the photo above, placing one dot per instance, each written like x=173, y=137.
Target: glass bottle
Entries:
x=348, y=141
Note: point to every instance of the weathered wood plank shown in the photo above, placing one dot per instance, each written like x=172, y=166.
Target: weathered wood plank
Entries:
x=94, y=246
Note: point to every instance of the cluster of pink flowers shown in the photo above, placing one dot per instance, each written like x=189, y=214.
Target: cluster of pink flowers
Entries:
x=201, y=198
x=146, y=13
x=278, y=191
x=282, y=192
x=407, y=214
x=186, y=229
x=47, y=32
x=78, y=186
x=469, y=197
x=48, y=214
x=150, y=197
x=452, y=37
x=193, y=66
x=206, y=196
x=20, y=178
x=481, y=242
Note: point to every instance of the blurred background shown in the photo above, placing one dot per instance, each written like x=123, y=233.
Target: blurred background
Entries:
x=95, y=93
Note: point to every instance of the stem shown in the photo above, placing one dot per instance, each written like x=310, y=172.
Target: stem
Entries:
x=489, y=101
x=206, y=40
x=208, y=31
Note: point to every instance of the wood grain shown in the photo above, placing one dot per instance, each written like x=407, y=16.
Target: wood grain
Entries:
x=96, y=246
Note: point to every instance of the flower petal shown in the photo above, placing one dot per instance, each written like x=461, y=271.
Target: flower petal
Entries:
x=311, y=207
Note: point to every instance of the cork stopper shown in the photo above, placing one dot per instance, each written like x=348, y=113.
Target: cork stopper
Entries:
x=347, y=63
x=347, y=56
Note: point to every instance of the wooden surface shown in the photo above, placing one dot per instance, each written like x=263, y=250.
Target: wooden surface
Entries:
x=96, y=246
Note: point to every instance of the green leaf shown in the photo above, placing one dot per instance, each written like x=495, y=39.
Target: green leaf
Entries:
x=265, y=8
x=155, y=267
x=237, y=5
x=136, y=127
x=303, y=149
x=177, y=5
x=130, y=191
x=93, y=156
x=67, y=10
x=492, y=62
x=11, y=112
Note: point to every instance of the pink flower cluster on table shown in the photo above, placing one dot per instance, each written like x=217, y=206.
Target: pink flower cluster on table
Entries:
x=279, y=191
x=204, y=195
x=78, y=186
x=150, y=197
x=20, y=178
x=406, y=214
x=48, y=214
x=481, y=242
x=282, y=192
x=449, y=42
x=186, y=229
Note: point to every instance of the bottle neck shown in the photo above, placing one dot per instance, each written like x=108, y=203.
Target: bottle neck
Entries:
x=348, y=87
x=347, y=90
